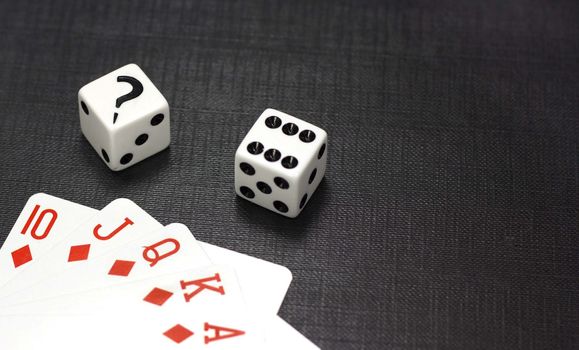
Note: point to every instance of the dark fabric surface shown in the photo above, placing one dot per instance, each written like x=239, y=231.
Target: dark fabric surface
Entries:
x=448, y=218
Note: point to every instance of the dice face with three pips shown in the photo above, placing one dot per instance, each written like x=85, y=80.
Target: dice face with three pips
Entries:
x=280, y=162
x=124, y=117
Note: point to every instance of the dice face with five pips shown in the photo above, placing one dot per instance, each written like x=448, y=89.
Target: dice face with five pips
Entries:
x=280, y=162
x=124, y=117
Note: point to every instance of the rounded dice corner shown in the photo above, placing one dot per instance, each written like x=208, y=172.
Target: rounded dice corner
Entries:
x=269, y=111
x=166, y=144
x=323, y=135
x=117, y=169
x=81, y=92
x=130, y=68
x=132, y=65
x=239, y=152
x=165, y=105
x=290, y=215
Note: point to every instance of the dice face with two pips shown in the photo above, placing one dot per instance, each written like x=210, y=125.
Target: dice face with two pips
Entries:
x=280, y=162
x=124, y=117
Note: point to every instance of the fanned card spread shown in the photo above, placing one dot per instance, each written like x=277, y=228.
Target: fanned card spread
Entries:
x=75, y=277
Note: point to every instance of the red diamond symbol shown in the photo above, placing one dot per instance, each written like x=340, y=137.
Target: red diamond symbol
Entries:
x=178, y=333
x=78, y=252
x=21, y=256
x=158, y=296
x=122, y=268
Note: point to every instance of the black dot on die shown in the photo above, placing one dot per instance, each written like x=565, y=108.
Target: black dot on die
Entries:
x=247, y=192
x=263, y=187
x=247, y=168
x=281, y=183
x=84, y=107
x=272, y=155
x=141, y=139
x=312, y=176
x=289, y=162
x=255, y=148
x=322, y=150
x=304, y=200
x=105, y=155
x=126, y=158
x=273, y=122
x=307, y=136
x=280, y=206
x=290, y=129
x=158, y=119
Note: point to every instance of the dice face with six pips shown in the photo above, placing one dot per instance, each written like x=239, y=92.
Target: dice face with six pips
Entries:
x=280, y=162
x=124, y=117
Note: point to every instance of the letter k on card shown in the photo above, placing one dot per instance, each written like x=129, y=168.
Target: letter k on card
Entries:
x=205, y=289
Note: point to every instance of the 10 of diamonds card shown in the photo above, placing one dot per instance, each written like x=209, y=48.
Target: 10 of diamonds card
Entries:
x=73, y=276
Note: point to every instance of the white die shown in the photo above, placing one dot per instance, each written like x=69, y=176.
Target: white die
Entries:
x=124, y=117
x=280, y=162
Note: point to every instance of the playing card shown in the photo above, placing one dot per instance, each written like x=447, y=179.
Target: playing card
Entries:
x=263, y=286
x=44, y=221
x=119, y=222
x=251, y=272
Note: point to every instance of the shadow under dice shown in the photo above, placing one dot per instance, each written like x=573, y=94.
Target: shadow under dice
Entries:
x=124, y=117
x=280, y=162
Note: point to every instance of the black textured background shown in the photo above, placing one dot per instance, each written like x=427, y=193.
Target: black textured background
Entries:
x=448, y=218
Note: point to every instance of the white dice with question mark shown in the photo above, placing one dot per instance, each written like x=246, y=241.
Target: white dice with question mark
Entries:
x=124, y=117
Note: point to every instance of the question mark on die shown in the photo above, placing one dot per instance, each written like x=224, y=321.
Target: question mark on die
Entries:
x=136, y=91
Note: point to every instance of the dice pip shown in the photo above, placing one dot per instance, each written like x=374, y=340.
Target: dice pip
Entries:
x=124, y=117
x=280, y=162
